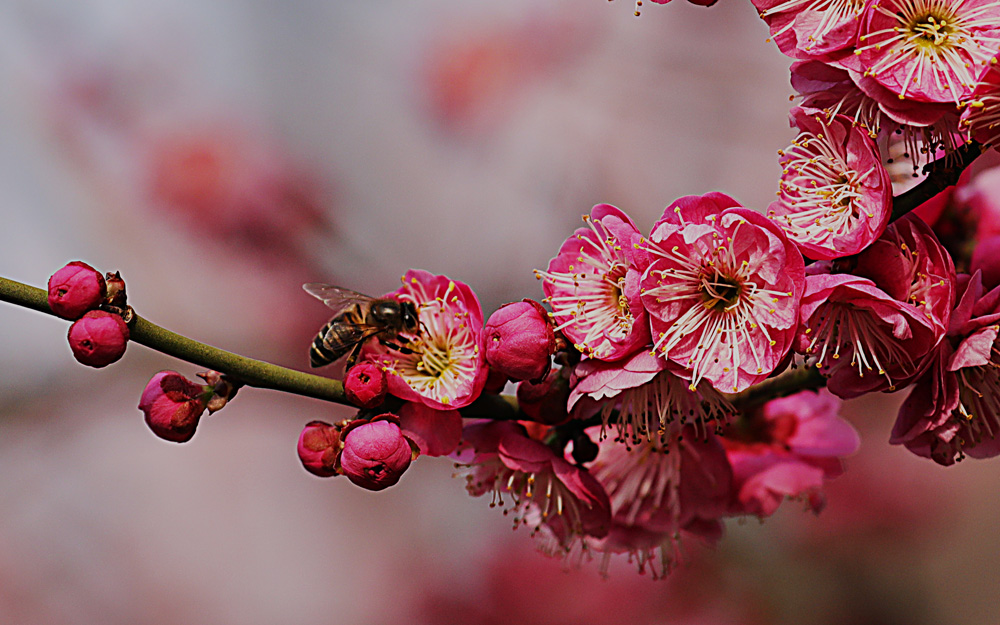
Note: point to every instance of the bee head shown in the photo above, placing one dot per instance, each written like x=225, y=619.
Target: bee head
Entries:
x=411, y=319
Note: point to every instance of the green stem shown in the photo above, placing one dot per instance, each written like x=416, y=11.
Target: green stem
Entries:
x=250, y=372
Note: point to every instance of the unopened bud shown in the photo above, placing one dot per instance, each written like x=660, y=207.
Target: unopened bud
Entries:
x=375, y=453
x=519, y=341
x=98, y=338
x=319, y=446
x=173, y=405
x=366, y=385
x=75, y=289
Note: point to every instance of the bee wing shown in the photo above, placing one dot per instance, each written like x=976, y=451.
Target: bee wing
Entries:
x=350, y=333
x=336, y=298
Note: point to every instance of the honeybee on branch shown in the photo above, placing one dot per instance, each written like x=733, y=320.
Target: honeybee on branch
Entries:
x=357, y=318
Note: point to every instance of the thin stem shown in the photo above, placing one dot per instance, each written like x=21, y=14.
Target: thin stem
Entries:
x=941, y=174
x=250, y=372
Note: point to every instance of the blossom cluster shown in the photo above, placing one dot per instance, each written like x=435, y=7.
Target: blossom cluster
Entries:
x=673, y=377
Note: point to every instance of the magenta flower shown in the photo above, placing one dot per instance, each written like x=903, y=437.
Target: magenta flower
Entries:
x=519, y=341
x=375, y=453
x=98, y=338
x=319, y=448
x=172, y=405
x=650, y=403
x=656, y=494
x=860, y=337
x=593, y=287
x=75, y=289
x=787, y=448
x=813, y=29
x=835, y=197
x=445, y=367
x=365, y=385
x=954, y=409
x=722, y=291
x=544, y=488
x=928, y=50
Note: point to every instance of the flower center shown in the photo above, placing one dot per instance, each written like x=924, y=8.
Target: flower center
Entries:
x=720, y=293
x=930, y=31
x=436, y=358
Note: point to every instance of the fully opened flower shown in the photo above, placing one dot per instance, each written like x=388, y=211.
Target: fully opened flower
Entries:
x=835, y=196
x=445, y=367
x=722, y=291
x=929, y=50
x=860, y=336
x=954, y=409
x=787, y=448
x=593, y=287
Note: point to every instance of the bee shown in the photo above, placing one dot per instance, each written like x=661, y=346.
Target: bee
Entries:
x=357, y=318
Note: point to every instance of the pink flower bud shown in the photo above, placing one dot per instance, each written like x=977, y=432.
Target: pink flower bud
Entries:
x=319, y=446
x=375, y=454
x=172, y=405
x=366, y=385
x=75, y=289
x=98, y=338
x=518, y=340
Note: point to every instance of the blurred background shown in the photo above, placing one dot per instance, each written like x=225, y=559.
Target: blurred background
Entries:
x=221, y=154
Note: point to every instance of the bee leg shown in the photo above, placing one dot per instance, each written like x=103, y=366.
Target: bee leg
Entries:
x=353, y=358
x=399, y=348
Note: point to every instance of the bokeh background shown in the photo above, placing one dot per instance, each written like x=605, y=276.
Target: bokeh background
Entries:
x=221, y=154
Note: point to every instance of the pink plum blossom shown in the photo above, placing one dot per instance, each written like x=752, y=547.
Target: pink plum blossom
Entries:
x=375, y=453
x=592, y=286
x=544, y=488
x=928, y=50
x=954, y=409
x=444, y=367
x=835, y=197
x=860, y=337
x=648, y=402
x=172, y=405
x=75, y=289
x=722, y=291
x=787, y=448
x=519, y=341
x=910, y=264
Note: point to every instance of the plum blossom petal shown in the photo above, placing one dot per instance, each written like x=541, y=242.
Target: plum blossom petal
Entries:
x=835, y=196
x=592, y=287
